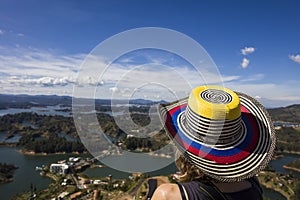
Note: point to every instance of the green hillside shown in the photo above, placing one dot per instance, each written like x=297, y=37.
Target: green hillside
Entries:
x=287, y=114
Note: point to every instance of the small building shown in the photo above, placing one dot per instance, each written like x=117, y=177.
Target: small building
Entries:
x=96, y=182
x=59, y=168
x=129, y=136
x=73, y=159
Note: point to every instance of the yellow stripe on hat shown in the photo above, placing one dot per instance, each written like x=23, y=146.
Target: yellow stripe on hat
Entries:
x=215, y=102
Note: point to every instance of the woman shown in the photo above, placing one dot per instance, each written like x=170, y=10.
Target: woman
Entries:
x=225, y=139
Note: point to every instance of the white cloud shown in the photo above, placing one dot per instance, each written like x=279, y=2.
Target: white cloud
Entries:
x=253, y=78
x=34, y=62
x=154, y=79
x=245, y=63
x=1, y=32
x=49, y=81
x=247, y=50
x=295, y=58
x=30, y=70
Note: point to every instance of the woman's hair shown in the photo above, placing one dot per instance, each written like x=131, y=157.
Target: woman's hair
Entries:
x=189, y=171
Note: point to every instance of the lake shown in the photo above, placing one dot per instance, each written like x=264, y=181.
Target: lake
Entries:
x=26, y=173
x=277, y=164
x=48, y=110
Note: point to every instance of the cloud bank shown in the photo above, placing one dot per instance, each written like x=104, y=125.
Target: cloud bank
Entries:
x=34, y=71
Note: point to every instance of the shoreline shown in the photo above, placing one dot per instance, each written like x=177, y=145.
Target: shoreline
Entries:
x=275, y=189
x=14, y=144
x=32, y=153
x=49, y=175
x=7, y=173
x=291, y=152
x=26, y=152
x=291, y=168
x=4, y=181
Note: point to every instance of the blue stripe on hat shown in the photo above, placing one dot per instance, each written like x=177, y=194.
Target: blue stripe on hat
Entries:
x=207, y=149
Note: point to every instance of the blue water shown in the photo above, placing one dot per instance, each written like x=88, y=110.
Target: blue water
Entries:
x=14, y=139
x=277, y=164
x=271, y=194
x=26, y=173
x=49, y=110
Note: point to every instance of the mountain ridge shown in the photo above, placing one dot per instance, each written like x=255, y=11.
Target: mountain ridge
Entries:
x=290, y=113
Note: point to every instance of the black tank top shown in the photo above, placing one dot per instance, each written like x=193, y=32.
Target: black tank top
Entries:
x=194, y=192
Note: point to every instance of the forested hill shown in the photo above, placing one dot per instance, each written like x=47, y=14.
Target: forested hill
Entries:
x=27, y=101
x=288, y=114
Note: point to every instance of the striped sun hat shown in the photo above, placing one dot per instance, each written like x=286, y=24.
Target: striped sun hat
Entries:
x=228, y=135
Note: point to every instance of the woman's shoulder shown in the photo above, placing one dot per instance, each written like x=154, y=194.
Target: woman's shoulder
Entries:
x=167, y=191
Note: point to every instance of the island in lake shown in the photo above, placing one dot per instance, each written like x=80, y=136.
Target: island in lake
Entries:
x=6, y=172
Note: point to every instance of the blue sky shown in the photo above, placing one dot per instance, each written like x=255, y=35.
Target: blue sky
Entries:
x=255, y=44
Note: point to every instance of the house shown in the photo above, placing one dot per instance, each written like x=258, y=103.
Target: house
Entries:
x=59, y=168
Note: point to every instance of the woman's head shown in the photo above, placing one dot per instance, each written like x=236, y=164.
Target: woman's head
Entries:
x=189, y=171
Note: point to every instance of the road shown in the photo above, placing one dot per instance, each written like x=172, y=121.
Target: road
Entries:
x=79, y=186
x=133, y=191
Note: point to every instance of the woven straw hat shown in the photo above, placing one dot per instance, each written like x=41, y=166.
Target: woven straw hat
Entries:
x=228, y=135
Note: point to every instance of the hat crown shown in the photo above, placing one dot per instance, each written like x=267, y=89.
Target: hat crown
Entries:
x=215, y=102
x=213, y=116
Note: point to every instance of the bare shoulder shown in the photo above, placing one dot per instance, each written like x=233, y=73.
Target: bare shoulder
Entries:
x=167, y=191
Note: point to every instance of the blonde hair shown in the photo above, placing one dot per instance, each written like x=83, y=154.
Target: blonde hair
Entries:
x=189, y=171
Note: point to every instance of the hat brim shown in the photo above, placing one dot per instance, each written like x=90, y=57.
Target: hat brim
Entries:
x=234, y=163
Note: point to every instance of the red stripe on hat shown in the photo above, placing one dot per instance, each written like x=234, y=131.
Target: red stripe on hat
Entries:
x=177, y=108
x=244, y=110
